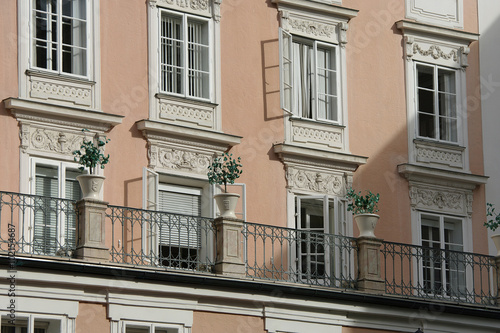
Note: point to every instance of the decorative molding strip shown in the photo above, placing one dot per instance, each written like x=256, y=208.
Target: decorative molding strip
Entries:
x=326, y=136
x=203, y=7
x=315, y=181
x=446, y=201
x=48, y=90
x=438, y=155
x=435, y=52
x=203, y=117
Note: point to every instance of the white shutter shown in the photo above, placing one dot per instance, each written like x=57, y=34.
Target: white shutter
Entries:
x=149, y=189
x=286, y=70
x=72, y=192
x=45, y=222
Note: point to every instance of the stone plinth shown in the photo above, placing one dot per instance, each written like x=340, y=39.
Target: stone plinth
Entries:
x=91, y=230
x=229, y=260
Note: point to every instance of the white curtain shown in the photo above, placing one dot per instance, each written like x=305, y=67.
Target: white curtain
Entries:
x=302, y=79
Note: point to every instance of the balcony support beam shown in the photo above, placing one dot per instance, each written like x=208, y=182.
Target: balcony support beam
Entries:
x=369, y=265
x=91, y=235
x=229, y=260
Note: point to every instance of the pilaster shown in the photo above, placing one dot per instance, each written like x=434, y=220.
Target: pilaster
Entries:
x=229, y=260
x=91, y=230
x=369, y=265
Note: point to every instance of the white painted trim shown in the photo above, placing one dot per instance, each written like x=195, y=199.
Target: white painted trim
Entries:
x=427, y=15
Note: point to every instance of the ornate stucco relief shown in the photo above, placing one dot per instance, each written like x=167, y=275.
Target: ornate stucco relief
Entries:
x=321, y=182
x=435, y=52
x=312, y=28
x=446, y=201
x=46, y=89
x=178, y=159
x=46, y=140
x=200, y=116
x=202, y=7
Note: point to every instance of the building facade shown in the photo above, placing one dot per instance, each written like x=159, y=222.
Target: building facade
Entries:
x=315, y=96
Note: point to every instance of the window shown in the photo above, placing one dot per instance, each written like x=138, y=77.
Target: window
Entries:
x=443, y=271
x=185, y=55
x=38, y=325
x=54, y=224
x=152, y=328
x=59, y=36
x=319, y=251
x=309, y=78
x=176, y=235
x=436, y=103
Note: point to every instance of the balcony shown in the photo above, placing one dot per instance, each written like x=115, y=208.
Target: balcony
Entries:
x=52, y=228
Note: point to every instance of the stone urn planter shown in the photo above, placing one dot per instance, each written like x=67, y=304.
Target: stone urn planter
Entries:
x=496, y=241
x=91, y=185
x=366, y=224
x=227, y=202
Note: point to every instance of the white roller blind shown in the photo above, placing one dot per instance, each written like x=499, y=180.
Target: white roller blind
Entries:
x=180, y=230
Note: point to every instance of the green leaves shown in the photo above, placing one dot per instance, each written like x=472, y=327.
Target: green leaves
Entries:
x=224, y=170
x=90, y=154
x=362, y=204
x=494, y=223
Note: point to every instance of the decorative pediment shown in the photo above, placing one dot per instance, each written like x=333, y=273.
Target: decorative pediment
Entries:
x=315, y=181
x=447, y=13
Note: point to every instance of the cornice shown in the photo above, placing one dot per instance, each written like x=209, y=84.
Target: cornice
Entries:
x=328, y=9
x=31, y=110
x=160, y=129
x=452, y=179
x=409, y=27
x=310, y=156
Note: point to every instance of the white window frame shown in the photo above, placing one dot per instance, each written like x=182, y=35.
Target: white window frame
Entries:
x=185, y=78
x=441, y=217
x=339, y=226
x=151, y=327
x=61, y=166
x=88, y=41
x=287, y=97
x=152, y=185
x=67, y=325
x=436, y=114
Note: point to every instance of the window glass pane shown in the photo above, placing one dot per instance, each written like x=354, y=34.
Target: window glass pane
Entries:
x=448, y=129
x=426, y=125
x=446, y=81
x=425, y=101
x=198, y=59
x=136, y=330
x=447, y=105
x=425, y=77
x=286, y=70
x=327, y=84
x=43, y=325
x=303, y=79
x=171, y=57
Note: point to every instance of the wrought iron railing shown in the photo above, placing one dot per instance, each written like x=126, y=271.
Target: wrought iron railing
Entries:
x=434, y=273
x=38, y=225
x=313, y=258
x=160, y=239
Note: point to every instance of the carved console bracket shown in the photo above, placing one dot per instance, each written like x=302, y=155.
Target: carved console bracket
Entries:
x=180, y=150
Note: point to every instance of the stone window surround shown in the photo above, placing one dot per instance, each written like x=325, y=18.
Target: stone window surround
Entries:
x=185, y=111
x=443, y=47
x=62, y=89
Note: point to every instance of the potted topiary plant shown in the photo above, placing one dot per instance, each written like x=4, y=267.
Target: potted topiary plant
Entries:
x=90, y=157
x=364, y=208
x=493, y=224
x=225, y=170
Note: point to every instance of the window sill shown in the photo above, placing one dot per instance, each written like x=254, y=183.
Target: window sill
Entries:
x=57, y=76
x=163, y=96
x=314, y=121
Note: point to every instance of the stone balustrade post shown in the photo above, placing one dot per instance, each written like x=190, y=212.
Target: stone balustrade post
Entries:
x=229, y=259
x=369, y=265
x=90, y=231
